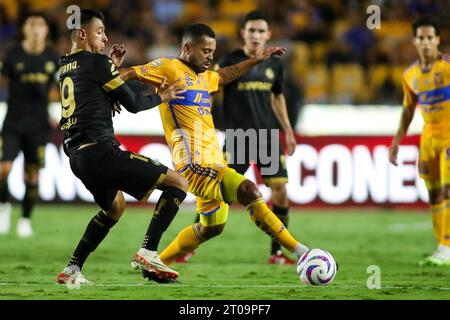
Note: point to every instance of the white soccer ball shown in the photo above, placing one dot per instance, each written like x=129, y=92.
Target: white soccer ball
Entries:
x=316, y=267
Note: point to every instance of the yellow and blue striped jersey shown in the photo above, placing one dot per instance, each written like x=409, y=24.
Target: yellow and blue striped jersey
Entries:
x=188, y=123
x=431, y=92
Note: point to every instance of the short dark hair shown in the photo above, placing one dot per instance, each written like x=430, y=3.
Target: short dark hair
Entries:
x=195, y=32
x=30, y=14
x=88, y=14
x=425, y=21
x=255, y=15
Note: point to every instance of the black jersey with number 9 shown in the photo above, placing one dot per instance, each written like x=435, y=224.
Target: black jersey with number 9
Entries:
x=85, y=81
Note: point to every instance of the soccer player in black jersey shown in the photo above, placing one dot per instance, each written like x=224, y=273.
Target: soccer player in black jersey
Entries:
x=256, y=101
x=90, y=88
x=28, y=68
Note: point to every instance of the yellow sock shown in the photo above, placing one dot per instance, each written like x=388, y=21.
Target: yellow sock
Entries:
x=445, y=233
x=186, y=241
x=437, y=213
x=267, y=221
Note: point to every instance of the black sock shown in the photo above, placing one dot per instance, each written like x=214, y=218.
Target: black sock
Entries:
x=282, y=214
x=166, y=209
x=96, y=231
x=4, y=191
x=30, y=198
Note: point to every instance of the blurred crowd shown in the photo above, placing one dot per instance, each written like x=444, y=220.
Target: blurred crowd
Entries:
x=332, y=56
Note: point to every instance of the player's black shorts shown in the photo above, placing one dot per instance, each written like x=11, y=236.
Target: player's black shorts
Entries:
x=32, y=143
x=105, y=169
x=272, y=171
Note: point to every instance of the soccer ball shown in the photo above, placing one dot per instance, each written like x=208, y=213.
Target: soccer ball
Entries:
x=316, y=267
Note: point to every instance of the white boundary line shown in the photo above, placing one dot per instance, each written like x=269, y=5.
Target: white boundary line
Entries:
x=402, y=227
x=150, y=285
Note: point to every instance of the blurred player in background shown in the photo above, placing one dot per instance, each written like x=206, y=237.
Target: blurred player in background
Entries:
x=426, y=83
x=196, y=153
x=90, y=89
x=30, y=68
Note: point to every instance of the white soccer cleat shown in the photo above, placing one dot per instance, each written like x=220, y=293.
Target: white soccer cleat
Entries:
x=5, y=217
x=72, y=276
x=442, y=253
x=441, y=257
x=147, y=260
x=24, y=229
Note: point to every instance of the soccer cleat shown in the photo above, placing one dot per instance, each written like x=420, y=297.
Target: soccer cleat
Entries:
x=185, y=258
x=24, y=228
x=441, y=257
x=149, y=261
x=151, y=276
x=5, y=217
x=280, y=258
x=430, y=261
x=72, y=276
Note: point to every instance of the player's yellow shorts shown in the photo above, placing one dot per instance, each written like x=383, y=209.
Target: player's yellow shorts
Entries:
x=434, y=161
x=215, y=185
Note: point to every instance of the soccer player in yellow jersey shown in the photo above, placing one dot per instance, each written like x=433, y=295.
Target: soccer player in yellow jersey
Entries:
x=196, y=154
x=426, y=84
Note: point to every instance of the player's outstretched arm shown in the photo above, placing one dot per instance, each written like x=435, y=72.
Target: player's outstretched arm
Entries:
x=228, y=74
x=134, y=103
x=128, y=74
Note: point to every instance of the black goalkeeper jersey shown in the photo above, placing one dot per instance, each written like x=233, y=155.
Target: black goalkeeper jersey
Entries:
x=247, y=100
x=85, y=81
x=29, y=78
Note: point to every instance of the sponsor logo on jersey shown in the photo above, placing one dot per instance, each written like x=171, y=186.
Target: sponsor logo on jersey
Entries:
x=269, y=73
x=38, y=77
x=20, y=66
x=156, y=63
x=49, y=67
x=438, y=79
x=255, y=85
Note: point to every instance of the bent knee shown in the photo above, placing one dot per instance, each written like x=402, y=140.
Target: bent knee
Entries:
x=117, y=207
x=211, y=231
x=176, y=180
x=182, y=183
x=278, y=188
x=248, y=192
x=436, y=196
x=31, y=175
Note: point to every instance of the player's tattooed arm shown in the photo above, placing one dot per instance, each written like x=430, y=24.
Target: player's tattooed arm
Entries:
x=231, y=73
x=134, y=103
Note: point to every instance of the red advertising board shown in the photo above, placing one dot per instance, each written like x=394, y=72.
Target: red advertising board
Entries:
x=325, y=171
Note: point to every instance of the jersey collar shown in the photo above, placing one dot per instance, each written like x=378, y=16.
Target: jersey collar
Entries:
x=74, y=51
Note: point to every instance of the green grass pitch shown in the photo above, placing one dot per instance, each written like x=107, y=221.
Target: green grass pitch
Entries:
x=232, y=266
